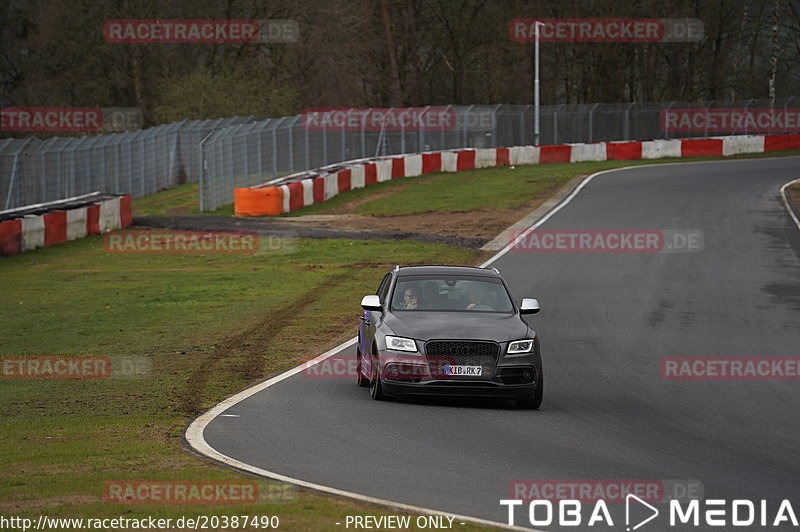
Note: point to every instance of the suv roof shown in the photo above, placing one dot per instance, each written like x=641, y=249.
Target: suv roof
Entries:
x=446, y=270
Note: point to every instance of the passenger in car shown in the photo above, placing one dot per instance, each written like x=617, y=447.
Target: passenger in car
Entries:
x=410, y=299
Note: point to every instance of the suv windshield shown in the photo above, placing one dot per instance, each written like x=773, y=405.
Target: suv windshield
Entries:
x=452, y=294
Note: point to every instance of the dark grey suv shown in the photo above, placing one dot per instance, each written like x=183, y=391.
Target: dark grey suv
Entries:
x=448, y=330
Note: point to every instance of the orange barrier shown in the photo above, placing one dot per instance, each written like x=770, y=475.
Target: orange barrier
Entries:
x=265, y=201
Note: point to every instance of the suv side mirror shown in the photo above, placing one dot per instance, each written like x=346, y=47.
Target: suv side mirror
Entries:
x=529, y=306
x=371, y=303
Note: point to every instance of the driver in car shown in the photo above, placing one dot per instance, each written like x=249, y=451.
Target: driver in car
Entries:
x=474, y=296
x=410, y=299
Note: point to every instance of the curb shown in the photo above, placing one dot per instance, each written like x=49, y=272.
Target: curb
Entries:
x=502, y=240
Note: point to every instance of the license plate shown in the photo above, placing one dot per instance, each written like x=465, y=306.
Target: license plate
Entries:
x=463, y=371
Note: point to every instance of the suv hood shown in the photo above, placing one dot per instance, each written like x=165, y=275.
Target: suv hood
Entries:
x=422, y=325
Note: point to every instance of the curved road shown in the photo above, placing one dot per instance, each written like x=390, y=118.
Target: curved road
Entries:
x=607, y=321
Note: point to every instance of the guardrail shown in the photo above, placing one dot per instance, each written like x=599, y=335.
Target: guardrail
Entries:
x=47, y=224
x=300, y=190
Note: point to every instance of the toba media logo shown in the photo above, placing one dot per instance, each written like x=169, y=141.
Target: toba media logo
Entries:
x=572, y=503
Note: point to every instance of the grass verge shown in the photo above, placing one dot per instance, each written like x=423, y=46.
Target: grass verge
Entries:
x=208, y=325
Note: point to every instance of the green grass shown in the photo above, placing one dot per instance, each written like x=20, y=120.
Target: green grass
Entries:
x=176, y=201
x=496, y=188
x=208, y=326
x=181, y=198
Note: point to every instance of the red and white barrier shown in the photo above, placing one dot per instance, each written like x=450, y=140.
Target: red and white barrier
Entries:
x=449, y=161
x=412, y=165
x=312, y=187
x=588, y=152
x=656, y=149
x=33, y=231
x=742, y=144
x=523, y=155
x=383, y=169
x=76, y=224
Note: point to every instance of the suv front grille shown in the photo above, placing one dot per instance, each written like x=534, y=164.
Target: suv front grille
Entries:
x=461, y=353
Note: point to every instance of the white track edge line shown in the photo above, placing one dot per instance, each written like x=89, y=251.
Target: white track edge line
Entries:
x=194, y=433
x=785, y=198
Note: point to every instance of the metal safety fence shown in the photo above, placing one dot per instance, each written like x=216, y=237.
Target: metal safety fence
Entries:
x=242, y=151
x=139, y=162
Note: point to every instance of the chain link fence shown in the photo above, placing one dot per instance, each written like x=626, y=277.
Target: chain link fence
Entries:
x=242, y=151
x=140, y=162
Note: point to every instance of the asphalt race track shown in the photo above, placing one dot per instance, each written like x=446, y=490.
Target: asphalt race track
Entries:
x=607, y=320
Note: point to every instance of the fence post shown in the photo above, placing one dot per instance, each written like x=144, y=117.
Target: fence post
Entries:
x=522, y=126
x=555, y=123
x=746, y=122
x=307, y=159
x=465, y=143
x=403, y=138
x=344, y=136
x=626, y=126
x=14, y=171
x=275, y=149
x=363, y=133
x=591, y=122
x=667, y=132
x=494, y=124
x=290, y=130
x=203, y=168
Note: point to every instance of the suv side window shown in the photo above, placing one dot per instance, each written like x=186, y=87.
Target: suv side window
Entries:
x=383, y=289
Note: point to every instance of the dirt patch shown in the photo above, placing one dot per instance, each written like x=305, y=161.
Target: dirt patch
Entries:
x=476, y=224
x=290, y=229
x=471, y=229
x=351, y=206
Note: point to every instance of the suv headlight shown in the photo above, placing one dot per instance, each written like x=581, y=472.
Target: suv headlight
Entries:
x=398, y=343
x=520, y=346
